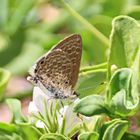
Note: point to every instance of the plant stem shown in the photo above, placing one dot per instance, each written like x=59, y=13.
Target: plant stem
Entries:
x=93, y=71
x=89, y=26
x=94, y=67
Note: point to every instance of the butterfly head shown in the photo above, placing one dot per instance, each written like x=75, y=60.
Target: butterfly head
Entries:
x=33, y=80
x=32, y=77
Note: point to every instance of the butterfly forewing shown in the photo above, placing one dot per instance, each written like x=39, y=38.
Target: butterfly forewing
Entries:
x=60, y=66
x=72, y=45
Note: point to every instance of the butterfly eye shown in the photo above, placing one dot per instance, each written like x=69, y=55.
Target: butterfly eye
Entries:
x=35, y=80
x=66, y=82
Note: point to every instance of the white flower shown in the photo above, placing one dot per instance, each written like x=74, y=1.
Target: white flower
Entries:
x=32, y=108
x=42, y=104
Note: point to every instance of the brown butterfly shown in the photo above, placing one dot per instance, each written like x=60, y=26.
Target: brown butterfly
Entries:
x=56, y=72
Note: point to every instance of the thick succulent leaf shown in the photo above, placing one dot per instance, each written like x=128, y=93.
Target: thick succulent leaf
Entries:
x=121, y=101
x=125, y=42
x=11, y=131
x=135, y=89
x=123, y=89
x=90, y=105
x=28, y=131
x=130, y=136
x=121, y=79
x=88, y=136
x=114, y=129
x=53, y=136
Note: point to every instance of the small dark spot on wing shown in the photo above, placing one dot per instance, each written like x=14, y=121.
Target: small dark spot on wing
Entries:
x=42, y=62
x=35, y=70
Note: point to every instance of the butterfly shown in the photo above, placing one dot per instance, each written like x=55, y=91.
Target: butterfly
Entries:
x=56, y=72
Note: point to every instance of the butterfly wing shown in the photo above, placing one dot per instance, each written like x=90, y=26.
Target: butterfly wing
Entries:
x=60, y=66
x=54, y=70
x=72, y=46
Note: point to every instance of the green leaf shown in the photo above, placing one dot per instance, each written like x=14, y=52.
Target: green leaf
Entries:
x=19, y=14
x=88, y=136
x=91, y=80
x=91, y=105
x=16, y=137
x=12, y=136
x=120, y=80
x=134, y=11
x=26, y=51
x=19, y=131
x=120, y=98
x=28, y=131
x=4, y=78
x=136, y=77
x=7, y=128
x=130, y=136
x=111, y=8
x=125, y=53
x=75, y=130
x=103, y=23
x=15, y=107
x=114, y=129
x=3, y=13
x=53, y=136
x=125, y=42
x=93, y=49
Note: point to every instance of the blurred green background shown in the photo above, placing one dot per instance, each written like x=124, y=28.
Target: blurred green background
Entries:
x=29, y=28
